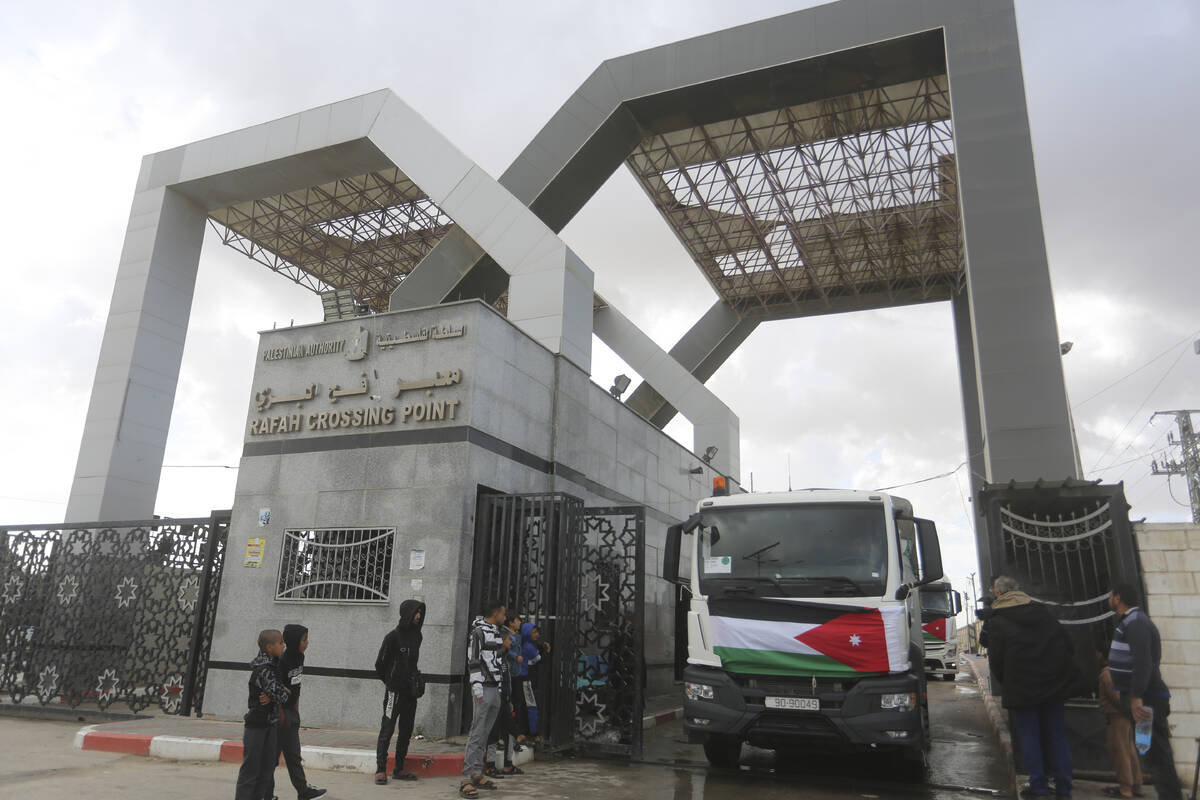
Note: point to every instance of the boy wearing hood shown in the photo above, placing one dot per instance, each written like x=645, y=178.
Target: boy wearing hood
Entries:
x=290, y=672
x=531, y=653
x=396, y=666
x=1033, y=658
x=259, y=750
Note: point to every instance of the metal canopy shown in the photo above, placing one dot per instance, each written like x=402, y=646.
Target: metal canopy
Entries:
x=363, y=233
x=836, y=198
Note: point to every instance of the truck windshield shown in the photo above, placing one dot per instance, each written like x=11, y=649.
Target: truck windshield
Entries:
x=935, y=603
x=809, y=550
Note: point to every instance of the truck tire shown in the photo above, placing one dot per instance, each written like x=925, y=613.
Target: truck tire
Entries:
x=723, y=751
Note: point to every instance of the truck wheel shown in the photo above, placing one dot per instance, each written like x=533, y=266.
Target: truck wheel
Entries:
x=723, y=751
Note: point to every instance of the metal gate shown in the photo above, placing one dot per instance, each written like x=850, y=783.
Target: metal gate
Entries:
x=580, y=574
x=108, y=613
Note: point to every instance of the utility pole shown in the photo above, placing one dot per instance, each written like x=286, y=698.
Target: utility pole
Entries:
x=1188, y=464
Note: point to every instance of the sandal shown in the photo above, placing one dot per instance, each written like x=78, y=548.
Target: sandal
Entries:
x=512, y=769
x=1114, y=791
x=483, y=783
x=492, y=772
x=465, y=789
x=381, y=779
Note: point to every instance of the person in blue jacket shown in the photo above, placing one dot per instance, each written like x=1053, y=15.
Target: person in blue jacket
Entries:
x=532, y=651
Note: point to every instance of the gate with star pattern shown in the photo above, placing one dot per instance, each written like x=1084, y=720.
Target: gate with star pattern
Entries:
x=579, y=573
x=110, y=614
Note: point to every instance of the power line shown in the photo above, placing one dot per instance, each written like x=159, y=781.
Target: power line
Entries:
x=197, y=466
x=922, y=480
x=1139, y=410
x=1184, y=340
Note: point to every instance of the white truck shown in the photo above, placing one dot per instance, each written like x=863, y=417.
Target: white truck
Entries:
x=804, y=628
x=940, y=605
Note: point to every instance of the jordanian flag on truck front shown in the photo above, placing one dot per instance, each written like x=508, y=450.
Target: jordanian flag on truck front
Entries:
x=776, y=637
x=934, y=631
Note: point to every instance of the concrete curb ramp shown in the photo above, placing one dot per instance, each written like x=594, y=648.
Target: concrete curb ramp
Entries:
x=338, y=759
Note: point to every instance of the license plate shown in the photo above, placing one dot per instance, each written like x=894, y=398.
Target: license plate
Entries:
x=794, y=703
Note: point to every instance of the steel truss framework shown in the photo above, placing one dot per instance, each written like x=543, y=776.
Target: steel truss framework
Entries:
x=363, y=233
x=849, y=195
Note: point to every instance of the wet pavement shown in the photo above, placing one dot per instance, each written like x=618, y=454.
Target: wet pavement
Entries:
x=965, y=762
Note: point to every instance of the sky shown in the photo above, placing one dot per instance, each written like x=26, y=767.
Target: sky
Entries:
x=862, y=400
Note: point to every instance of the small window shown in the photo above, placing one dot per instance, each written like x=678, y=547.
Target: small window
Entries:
x=336, y=565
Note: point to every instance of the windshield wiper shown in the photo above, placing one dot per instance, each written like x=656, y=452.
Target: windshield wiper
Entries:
x=752, y=579
x=760, y=551
x=842, y=579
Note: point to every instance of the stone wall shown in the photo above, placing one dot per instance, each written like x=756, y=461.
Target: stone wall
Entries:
x=1170, y=556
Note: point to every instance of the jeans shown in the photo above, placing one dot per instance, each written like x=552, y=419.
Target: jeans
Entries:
x=256, y=777
x=483, y=717
x=1159, y=758
x=399, y=711
x=289, y=745
x=1043, y=733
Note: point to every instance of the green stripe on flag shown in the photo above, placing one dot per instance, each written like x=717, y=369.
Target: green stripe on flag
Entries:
x=929, y=637
x=774, y=662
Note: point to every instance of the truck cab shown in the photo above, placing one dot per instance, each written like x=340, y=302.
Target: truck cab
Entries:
x=940, y=604
x=804, y=628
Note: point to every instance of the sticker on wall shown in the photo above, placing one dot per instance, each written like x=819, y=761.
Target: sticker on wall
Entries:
x=264, y=517
x=417, y=584
x=416, y=559
x=715, y=565
x=254, y=552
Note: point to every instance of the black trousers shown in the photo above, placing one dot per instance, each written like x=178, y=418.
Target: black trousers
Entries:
x=289, y=745
x=399, y=711
x=256, y=777
x=1160, y=758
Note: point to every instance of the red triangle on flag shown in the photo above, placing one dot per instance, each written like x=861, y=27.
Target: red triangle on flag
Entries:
x=857, y=640
x=936, y=628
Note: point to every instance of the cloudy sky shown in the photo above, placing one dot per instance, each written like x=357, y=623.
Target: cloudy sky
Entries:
x=862, y=400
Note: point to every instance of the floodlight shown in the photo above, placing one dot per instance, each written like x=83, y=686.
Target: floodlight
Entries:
x=620, y=384
x=709, y=454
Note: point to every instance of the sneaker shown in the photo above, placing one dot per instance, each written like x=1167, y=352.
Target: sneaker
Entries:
x=312, y=793
x=381, y=779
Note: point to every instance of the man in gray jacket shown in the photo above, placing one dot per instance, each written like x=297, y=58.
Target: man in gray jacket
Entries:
x=484, y=654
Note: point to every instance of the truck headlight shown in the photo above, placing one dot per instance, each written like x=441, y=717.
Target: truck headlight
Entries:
x=698, y=691
x=905, y=701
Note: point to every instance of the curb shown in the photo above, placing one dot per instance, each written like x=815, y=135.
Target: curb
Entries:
x=998, y=719
x=337, y=759
x=661, y=718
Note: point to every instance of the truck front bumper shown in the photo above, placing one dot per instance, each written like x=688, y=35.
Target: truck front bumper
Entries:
x=845, y=719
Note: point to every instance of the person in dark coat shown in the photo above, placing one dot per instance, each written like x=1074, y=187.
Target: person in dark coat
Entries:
x=396, y=666
x=1033, y=659
x=290, y=672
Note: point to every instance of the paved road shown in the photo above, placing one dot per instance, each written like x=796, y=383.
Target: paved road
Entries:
x=39, y=761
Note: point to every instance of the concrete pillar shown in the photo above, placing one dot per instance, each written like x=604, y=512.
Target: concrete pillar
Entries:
x=125, y=433
x=713, y=423
x=701, y=351
x=1023, y=410
x=972, y=424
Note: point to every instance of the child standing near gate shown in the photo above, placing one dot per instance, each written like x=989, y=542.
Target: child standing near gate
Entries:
x=259, y=736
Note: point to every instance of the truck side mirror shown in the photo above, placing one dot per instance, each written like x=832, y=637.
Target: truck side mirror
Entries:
x=958, y=602
x=931, y=551
x=671, y=553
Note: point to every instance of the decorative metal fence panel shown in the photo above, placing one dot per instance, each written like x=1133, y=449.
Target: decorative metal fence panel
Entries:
x=600, y=661
x=110, y=613
x=336, y=565
x=579, y=574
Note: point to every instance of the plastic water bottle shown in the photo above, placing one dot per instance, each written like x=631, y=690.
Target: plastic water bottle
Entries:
x=1142, y=730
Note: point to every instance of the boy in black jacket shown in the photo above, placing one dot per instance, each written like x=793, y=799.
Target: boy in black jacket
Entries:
x=259, y=748
x=290, y=672
x=396, y=666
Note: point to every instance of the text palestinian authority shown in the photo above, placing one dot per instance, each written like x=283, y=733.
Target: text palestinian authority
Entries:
x=304, y=350
x=426, y=411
